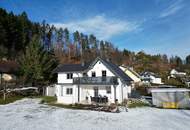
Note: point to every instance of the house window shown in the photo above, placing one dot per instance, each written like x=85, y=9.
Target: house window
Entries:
x=103, y=76
x=103, y=73
x=69, y=91
x=108, y=89
x=69, y=75
x=93, y=74
x=85, y=75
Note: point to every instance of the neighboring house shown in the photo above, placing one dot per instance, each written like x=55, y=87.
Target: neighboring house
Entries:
x=8, y=70
x=98, y=81
x=174, y=73
x=131, y=73
x=150, y=77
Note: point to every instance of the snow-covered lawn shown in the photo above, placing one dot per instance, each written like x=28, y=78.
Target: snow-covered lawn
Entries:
x=28, y=114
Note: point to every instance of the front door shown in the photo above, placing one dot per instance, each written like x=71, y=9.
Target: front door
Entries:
x=95, y=91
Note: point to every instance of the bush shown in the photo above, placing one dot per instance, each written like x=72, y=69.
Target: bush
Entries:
x=174, y=82
x=136, y=103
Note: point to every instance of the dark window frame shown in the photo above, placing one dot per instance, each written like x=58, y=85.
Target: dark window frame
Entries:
x=93, y=74
x=69, y=75
x=69, y=91
x=104, y=73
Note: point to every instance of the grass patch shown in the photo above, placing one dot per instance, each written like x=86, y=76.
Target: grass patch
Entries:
x=139, y=104
x=48, y=99
x=10, y=100
x=132, y=103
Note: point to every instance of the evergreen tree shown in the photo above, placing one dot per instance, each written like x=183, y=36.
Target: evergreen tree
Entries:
x=67, y=42
x=36, y=64
x=76, y=37
x=59, y=34
x=102, y=49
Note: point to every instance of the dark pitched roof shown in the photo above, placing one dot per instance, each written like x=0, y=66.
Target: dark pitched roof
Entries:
x=71, y=68
x=8, y=67
x=149, y=73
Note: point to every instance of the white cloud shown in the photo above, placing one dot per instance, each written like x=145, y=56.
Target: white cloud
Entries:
x=102, y=27
x=172, y=9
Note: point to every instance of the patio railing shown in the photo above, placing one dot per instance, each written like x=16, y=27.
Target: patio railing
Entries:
x=96, y=80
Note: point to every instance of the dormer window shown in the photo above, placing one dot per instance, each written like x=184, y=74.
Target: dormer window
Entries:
x=69, y=75
x=93, y=74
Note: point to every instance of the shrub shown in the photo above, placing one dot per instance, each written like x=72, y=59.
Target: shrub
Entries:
x=136, y=103
x=174, y=82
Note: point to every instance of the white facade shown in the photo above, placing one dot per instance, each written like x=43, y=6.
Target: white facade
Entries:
x=151, y=79
x=156, y=80
x=174, y=73
x=68, y=93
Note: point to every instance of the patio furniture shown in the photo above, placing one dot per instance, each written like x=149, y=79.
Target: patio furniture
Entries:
x=99, y=99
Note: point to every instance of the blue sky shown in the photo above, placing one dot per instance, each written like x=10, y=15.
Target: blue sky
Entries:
x=155, y=26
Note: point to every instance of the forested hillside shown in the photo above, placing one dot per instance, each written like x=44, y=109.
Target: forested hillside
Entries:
x=16, y=32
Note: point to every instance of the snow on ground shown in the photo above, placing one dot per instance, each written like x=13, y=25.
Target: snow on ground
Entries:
x=28, y=114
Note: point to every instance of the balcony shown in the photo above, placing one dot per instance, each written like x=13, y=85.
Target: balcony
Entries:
x=95, y=80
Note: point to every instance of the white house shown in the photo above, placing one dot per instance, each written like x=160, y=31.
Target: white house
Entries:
x=174, y=73
x=99, y=81
x=150, y=77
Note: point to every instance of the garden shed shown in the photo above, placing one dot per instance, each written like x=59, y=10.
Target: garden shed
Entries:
x=171, y=97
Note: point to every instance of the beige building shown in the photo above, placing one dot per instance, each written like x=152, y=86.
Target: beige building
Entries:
x=132, y=74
